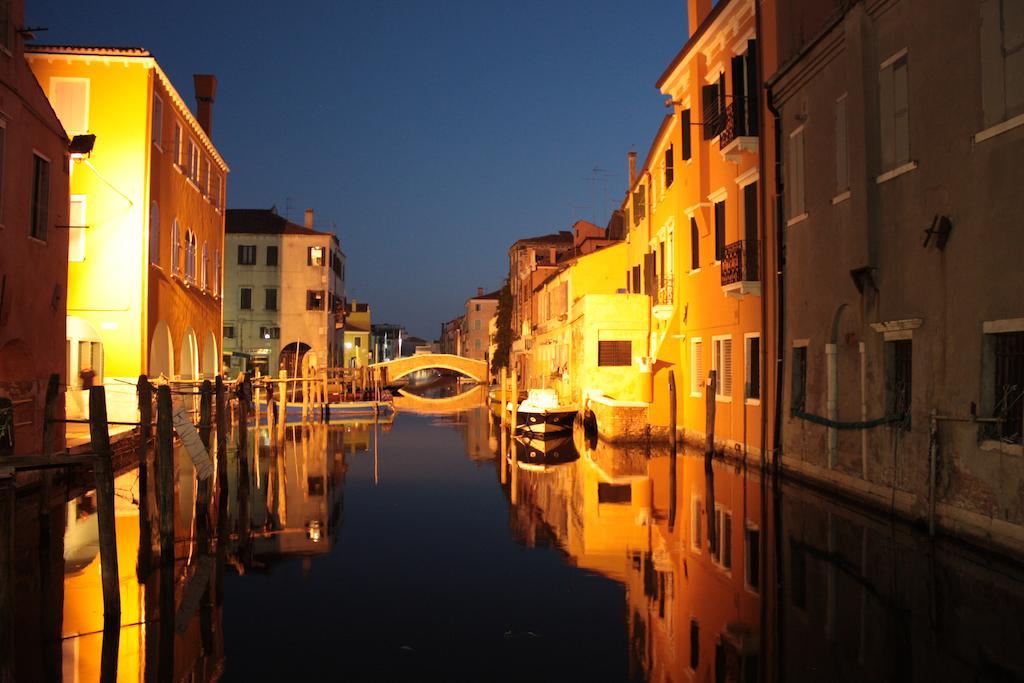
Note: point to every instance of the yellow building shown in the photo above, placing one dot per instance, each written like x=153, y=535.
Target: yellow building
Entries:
x=357, y=335
x=144, y=281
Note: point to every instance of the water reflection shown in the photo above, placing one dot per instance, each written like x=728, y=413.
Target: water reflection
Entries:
x=395, y=552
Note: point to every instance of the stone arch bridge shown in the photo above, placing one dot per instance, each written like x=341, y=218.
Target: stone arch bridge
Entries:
x=474, y=369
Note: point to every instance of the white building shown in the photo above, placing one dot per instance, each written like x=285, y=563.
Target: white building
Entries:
x=284, y=285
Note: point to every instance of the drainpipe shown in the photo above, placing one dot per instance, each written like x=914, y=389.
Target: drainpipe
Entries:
x=832, y=401
x=780, y=282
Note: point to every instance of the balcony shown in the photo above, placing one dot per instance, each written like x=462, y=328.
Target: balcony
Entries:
x=664, y=299
x=740, y=268
x=739, y=133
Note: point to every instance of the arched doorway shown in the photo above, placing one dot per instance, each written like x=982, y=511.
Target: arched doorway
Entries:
x=161, y=351
x=188, y=366
x=293, y=358
x=210, y=357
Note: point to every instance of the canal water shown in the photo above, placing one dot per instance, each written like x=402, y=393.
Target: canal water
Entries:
x=419, y=549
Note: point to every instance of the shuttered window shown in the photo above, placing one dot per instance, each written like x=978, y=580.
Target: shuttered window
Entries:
x=694, y=244
x=40, y=198
x=795, y=178
x=158, y=121
x=894, y=114
x=719, y=230
x=614, y=353
x=842, y=161
x=245, y=298
x=669, y=169
x=246, y=254
x=721, y=362
x=650, y=274
x=636, y=279
x=639, y=204
x=798, y=392
x=1002, y=60
x=696, y=366
x=685, y=123
x=713, y=107
x=752, y=387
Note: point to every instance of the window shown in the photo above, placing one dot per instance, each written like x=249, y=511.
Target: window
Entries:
x=713, y=104
x=216, y=191
x=744, y=91
x=245, y=298
x=70, y=100
x=798, y=395
x=696, y=366
x=894, y=124
x=1007, y=394
x=614, y=494
x=271, y=255
x=752, y=558
x=176, y=144
x=636, y=279
x=720, y=230
x=614, y=353
x=359, y=342
x=175, y=248
x=154, y=233
x=204, y=273
x=270, y=299
x=314, y=300
x=190, y=256
x=721, y=554
x=246, y=254
x=477, y=306
x=158, y=121
x=842, y=158
x=695, y=524
x=216, y=272
x=752, y=387
x=229, y=331
x=476, y=344
x=669, y=169
x=40, y=197
x=694, y=245
x=721, y=363
x=193, y=160
x=685, y=124
x=204, y=179
x=898, y=365
x=76, y=229
x=477, y=324
x=795, y=179
x=1002, y=60
x=270, y=333
x=315, y=256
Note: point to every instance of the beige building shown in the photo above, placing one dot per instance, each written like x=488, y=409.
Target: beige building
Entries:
x=902, y=279
x=357, y=352
x=474, y=338
x=284, y=287
x=531, y=261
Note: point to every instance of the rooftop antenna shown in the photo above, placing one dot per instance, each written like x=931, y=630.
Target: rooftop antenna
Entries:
x=599, y=174
x=288, y=208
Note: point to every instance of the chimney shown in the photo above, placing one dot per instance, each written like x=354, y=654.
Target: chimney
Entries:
x=632, y=169
x=697, y=12
x=309, y=218
x=479, y=291
x=206, y=91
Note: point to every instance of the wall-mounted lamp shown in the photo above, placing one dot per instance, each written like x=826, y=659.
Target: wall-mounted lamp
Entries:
x=81, y=146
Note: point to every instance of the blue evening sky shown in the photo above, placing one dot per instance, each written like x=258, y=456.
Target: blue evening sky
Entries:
x=431, y=135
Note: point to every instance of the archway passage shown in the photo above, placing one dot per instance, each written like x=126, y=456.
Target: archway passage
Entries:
x=210, y=357
x=474, y=369
x=292, y=357
x=188, y=367
x=161, y=351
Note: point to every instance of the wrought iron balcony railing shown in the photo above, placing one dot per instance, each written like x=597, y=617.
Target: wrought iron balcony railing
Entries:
x=666, y=292
x=740, y=262
x=738, y=122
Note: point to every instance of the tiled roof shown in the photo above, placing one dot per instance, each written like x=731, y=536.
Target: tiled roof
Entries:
x=99, y=50
x=560, y=236
x=490, y=295
x=264, y=222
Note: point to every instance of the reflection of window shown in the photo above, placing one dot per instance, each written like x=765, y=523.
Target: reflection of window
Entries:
x=694, y=644
x=76, y=231
x=722, y=552
x=752, y=558
x=315, y=256
x=797, y=574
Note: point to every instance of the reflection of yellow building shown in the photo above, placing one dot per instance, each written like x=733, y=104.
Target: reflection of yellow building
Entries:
x=357, y=335
x=144, y=281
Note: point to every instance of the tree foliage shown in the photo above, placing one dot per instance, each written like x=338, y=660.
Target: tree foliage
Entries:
x=503, y=338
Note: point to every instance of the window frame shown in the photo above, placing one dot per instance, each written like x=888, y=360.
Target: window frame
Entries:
x=752, y=360
x=723, y=393
x=157, y=123
x=39, y=212
x=242, y=291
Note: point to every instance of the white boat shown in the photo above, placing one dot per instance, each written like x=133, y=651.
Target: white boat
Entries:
x=540, y=413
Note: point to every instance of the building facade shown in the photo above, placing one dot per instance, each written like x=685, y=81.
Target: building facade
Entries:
x=357, y=351
x=34, y=210
x=474, y=338
x=147, y=217
x=284, y=292
x=901, y=225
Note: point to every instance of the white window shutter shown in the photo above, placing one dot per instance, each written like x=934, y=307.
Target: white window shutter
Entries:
x=726, y=371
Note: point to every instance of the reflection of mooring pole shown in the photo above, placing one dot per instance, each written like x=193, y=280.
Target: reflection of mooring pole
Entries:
x=672, y=450
x=376, y=442
x=709, y=451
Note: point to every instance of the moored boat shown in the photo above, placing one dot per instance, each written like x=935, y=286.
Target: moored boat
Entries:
x=542, y=414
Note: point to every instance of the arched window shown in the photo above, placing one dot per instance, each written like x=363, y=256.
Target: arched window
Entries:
x=205, y=268
x=216, y=272
x=190, y=256
x=175, y=248
x=154, y=233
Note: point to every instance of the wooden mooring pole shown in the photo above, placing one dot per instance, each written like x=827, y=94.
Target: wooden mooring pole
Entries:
x=503, y=374
x=223, y=425
x=145, y=557
x=165, y=473
x=282, y=404
x=103, y=470
x=7, y=553
x=515, y=400
x=709, y=452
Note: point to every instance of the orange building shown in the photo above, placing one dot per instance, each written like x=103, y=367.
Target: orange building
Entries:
x=145, y=273
x=33, y=255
